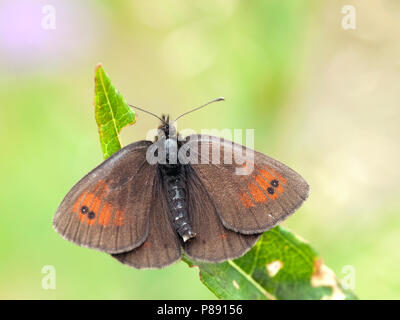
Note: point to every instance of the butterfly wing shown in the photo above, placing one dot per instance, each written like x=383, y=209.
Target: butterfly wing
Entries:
x=213, y=242
x=251, y=197
x=108, y=209
x=162, y=246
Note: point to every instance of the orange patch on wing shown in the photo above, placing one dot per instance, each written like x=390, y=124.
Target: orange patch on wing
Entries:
x=281, y=178
x=105, y=215
x=277, y=175
x=92, y=200
x=78, y=202
x=266, y=174
x=279, y=189
x=101, y=189
x=88, y=203
x=119, y=218
x=95, y=207
x=262, y=182
x=272, y=174
x=257, y=194
x=246, y=201
x=104, y=186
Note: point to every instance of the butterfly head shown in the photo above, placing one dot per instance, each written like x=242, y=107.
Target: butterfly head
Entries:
x=167, y=127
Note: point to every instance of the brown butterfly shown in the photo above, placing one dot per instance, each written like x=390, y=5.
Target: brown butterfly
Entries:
x=150, y=200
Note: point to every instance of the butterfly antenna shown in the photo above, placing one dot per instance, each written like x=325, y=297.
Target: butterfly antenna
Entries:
x=202, y=106
x=148, y=112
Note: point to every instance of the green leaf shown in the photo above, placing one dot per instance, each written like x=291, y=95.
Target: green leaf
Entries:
x=111, y=111
x=279, y=266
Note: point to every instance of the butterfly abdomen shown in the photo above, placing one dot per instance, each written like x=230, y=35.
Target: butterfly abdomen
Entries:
x=175, y=187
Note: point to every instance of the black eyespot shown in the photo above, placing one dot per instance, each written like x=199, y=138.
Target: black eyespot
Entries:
x=84, y=209
x=91, y=215
x=188, y=153
x=275, y=183
x=271, y=190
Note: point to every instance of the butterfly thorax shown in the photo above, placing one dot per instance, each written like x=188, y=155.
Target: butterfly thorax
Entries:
x=174, y=180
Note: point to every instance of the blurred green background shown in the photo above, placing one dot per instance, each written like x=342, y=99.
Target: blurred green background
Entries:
x=322, y=99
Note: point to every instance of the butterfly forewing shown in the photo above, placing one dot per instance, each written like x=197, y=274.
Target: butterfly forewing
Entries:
x=162, y=246
x=250, y=197
x=108, y=209
x=213, y=242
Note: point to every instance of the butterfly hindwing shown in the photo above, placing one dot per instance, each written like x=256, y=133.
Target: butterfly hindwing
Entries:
x=250, y=197
x=162, y=246
x=213, y=242
x=108, y=209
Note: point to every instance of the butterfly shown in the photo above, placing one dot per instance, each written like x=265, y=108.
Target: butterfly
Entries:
x=152, y=199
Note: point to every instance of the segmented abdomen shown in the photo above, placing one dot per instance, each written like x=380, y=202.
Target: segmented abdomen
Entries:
x=177, y=201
